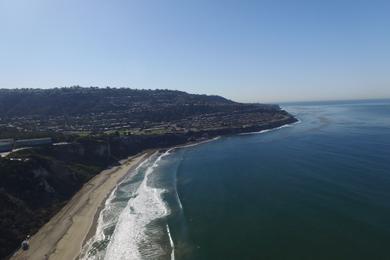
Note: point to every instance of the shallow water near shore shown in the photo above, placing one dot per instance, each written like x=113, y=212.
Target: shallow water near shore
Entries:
x=319, y=189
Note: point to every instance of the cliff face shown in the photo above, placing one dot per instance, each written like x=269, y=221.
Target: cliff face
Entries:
x=36, y=183
x=132, y=144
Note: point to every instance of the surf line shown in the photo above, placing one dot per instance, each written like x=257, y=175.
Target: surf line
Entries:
x=272, y=129
x=172, y=244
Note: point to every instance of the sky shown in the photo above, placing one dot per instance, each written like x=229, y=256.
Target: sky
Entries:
x=245, y=50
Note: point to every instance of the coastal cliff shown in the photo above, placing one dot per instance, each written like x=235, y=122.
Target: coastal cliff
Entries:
x=36, y=182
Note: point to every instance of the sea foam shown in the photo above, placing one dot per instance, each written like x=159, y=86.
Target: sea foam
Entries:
x=94, y=249
x=272, y=129
x=130, y=239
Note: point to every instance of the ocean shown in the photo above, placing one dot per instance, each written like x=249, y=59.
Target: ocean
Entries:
x=317, y=189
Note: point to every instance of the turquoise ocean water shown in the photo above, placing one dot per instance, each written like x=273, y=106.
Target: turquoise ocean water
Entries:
x=319, y=189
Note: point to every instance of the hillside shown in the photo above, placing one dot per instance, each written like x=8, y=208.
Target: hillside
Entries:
x=80, y=101
x=99, y=127
x=95, y=110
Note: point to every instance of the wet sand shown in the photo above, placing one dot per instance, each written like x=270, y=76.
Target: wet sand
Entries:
x=63, y=236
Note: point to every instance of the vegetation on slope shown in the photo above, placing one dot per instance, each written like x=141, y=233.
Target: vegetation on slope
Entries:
x=36, y=183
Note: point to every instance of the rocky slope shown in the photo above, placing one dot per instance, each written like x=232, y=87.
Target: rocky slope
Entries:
x=36, y=183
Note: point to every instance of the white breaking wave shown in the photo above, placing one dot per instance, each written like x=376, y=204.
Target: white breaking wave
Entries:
x=172, y=244
x=130, y=224
x=272, y=129
x=130, y=230
x=258, y=132
x=178, y=200
x=103, y=223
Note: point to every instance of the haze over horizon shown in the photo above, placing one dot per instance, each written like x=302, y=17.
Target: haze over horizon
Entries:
x=251, y=51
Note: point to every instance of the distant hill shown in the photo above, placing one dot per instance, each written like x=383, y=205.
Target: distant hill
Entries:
x=96, y=127
x=78, y=100
x=97, y=110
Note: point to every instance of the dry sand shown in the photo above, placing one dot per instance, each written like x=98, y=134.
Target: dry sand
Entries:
x=63, y=236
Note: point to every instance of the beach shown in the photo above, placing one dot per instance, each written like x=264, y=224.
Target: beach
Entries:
x=63, y=236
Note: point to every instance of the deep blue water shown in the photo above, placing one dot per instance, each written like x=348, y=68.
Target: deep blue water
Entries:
x=319, y=189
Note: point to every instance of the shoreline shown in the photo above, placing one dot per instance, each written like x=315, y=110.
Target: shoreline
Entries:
x=298, y=121
x=63, y=236
x=92, y=230
x=162, y=152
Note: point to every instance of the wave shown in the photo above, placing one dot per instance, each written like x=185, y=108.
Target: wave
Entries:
x=272, y=129
x=171, y=243
x=131, y=239
x=128, y=215
x=94, y=248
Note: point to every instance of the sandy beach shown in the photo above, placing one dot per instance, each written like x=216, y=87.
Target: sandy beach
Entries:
x=63, y=236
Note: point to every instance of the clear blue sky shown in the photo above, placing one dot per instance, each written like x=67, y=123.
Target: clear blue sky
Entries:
x=264, y=51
